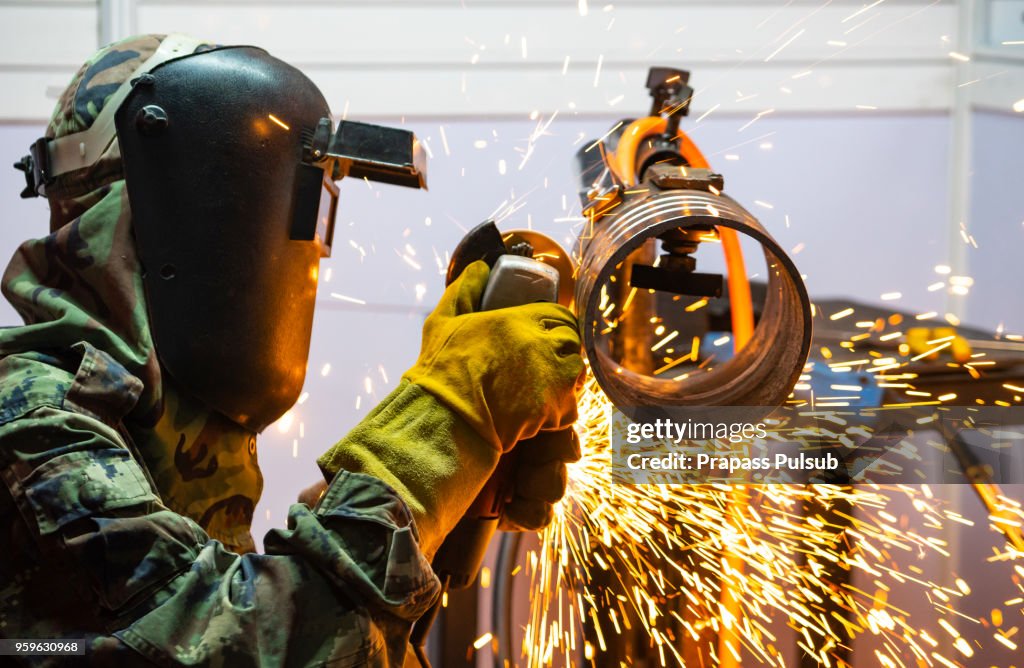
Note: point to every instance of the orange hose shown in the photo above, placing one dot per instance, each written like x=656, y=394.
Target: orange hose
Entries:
x=624, y=160
x=624, y=164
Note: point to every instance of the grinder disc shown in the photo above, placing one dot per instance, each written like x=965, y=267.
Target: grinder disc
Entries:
x=548, y=251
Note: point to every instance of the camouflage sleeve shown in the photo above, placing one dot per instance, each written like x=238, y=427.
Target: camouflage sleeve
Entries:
x=92, y=553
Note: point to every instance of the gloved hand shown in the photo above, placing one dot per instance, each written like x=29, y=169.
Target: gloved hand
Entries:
x=539, y=479
x=483, y=381
x=510, y=372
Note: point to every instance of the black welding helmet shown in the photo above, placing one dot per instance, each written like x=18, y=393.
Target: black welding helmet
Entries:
x=230, y=159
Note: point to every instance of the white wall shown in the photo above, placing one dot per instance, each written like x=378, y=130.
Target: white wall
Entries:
x=444, y=58
x=857, y=153
x=997, y=216
x=875, y=67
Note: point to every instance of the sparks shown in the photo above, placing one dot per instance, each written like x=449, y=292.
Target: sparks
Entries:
x=785, y=44
x=278, y=121
x=650, y=558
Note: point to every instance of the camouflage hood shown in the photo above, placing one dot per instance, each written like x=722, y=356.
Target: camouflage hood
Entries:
x=83, y=283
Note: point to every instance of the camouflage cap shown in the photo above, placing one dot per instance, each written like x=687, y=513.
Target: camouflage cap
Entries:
x=92, y=86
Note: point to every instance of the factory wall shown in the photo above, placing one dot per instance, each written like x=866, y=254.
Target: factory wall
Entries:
x=836, y=133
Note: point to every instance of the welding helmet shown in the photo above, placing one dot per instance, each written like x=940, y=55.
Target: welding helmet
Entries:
x=230, y=159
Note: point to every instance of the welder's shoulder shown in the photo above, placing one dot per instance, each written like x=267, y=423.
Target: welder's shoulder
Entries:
x=58, y=423
x=84, y=380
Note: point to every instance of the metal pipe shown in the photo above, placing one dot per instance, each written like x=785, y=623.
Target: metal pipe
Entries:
x=762, y=373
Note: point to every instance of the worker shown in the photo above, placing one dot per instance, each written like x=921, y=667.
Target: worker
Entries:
x=167, y=319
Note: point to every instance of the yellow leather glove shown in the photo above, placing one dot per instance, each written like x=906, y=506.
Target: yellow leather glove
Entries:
x=426, y=453
x=510, y=372
x=483, y=381
x=539, y=479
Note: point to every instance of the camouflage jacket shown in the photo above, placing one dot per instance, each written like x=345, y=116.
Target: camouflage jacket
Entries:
x=125, y=508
